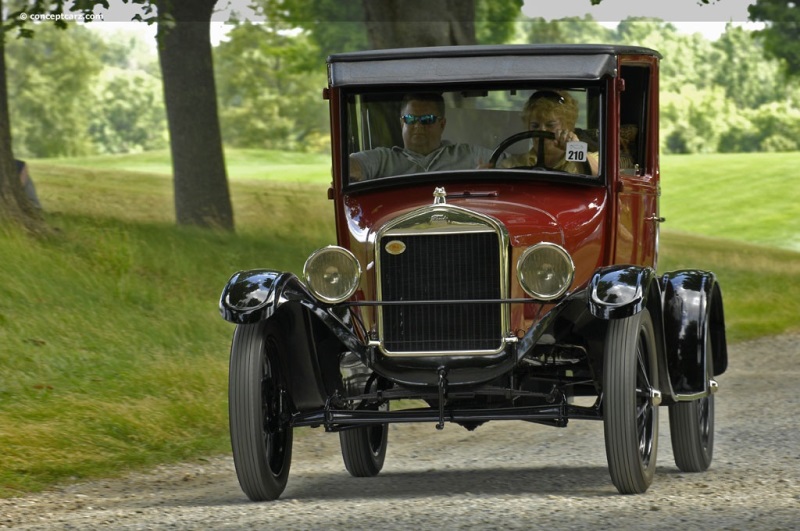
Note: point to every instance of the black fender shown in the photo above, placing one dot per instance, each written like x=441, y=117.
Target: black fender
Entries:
x=255, y=295
x=694, y=321
x=617, y=292
x=317, y=332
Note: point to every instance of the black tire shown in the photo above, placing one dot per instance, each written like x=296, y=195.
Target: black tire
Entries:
x=364, y=449
x=261, y=437
x=630, y=414
x=691, y=428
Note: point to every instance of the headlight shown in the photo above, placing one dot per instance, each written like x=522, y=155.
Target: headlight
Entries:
x=545, y=271
x=332, y=274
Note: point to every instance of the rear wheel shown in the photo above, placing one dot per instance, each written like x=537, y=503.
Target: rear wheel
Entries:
x=630, y=402
x=364, y=449
x=691, y=428
x=261, y=437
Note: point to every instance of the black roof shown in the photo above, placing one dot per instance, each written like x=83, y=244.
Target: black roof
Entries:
x=453, y=64
x=492, y=51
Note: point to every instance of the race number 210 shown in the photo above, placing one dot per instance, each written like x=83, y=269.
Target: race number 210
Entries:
x=576, y=151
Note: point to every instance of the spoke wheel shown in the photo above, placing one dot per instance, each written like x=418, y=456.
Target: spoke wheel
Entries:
x=630, y=375
x=364, y=449
x=261, y=437
x=691, y=428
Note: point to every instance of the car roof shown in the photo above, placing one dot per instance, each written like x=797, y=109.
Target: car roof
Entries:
x=446, y=64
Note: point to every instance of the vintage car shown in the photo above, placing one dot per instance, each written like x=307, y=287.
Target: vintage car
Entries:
x=482, y=278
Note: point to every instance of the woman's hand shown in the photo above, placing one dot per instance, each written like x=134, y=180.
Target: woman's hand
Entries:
x=562, y=137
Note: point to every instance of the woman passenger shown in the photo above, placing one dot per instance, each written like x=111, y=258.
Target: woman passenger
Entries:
x=555, y=111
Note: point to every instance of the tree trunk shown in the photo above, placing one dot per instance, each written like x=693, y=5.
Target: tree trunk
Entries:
x=14, y=205
x=201, y=185
x=413, y=23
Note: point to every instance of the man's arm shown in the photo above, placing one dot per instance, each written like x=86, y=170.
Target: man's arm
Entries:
x=356, y=171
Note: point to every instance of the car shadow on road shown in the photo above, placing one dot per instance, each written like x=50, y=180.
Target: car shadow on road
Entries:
x=571, y=481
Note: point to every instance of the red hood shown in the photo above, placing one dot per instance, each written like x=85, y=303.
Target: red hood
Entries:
x=531, y=212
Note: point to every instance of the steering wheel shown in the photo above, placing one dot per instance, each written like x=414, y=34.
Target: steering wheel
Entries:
x=513, y=139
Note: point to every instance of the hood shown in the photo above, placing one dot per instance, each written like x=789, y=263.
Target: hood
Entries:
x=530, y=213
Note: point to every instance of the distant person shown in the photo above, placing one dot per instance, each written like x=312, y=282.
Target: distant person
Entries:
x=27, y=183
x=422, y=118
x=556, y=112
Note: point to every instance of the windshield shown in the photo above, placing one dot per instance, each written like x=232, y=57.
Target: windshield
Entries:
x=554, y=129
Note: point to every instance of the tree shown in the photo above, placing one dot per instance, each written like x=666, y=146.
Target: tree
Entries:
x=200, y=182
x=350, y=25
x=782, y=32
x=412, y=23
x=333, y=25
x=14, y=206
x=202, y=197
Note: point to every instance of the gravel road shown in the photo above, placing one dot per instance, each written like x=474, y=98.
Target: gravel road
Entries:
x=505, y=475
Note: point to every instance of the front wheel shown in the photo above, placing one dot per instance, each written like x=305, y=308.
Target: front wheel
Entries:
x=630, y=402
x=261, y=437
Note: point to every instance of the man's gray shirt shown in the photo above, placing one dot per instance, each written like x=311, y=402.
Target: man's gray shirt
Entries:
x=382, y=161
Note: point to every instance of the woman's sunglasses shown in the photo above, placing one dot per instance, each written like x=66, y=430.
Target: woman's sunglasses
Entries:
x=548, y=95
x=425, y=119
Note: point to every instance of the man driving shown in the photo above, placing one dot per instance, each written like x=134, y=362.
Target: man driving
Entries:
x=422, y=118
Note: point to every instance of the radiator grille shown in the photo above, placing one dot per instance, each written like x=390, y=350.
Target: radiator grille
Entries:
x=438, y=268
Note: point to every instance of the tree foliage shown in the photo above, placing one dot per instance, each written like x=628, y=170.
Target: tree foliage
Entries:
x=715, y=96
x=78, y=92
x=495, y=20
x=782, y=33
x=257, y=67
x=351, y=25
x=129, y=124
x=50, y=82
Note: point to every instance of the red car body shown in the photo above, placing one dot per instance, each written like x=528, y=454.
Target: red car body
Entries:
x=499, y=291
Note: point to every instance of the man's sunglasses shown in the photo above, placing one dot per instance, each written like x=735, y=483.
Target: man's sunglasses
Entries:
x=548, y=95
x=425, y=119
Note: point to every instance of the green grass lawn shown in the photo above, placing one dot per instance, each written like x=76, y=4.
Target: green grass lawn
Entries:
x=241, y=164
x=112, y=351
x=752, y=197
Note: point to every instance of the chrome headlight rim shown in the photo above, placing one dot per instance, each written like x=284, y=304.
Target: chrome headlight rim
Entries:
x=356, y=280
x=567, y=259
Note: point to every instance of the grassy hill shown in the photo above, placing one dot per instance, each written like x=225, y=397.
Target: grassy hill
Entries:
x=112, y=351
x=751, y=197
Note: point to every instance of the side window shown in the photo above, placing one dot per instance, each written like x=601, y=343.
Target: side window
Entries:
x=633, y=119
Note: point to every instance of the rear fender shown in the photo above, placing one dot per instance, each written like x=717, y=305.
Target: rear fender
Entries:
x=693, y=321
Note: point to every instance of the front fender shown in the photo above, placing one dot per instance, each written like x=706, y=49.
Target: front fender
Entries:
x=694, y=321
x=617, y=292
x=252, y=296
x=255, y=295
